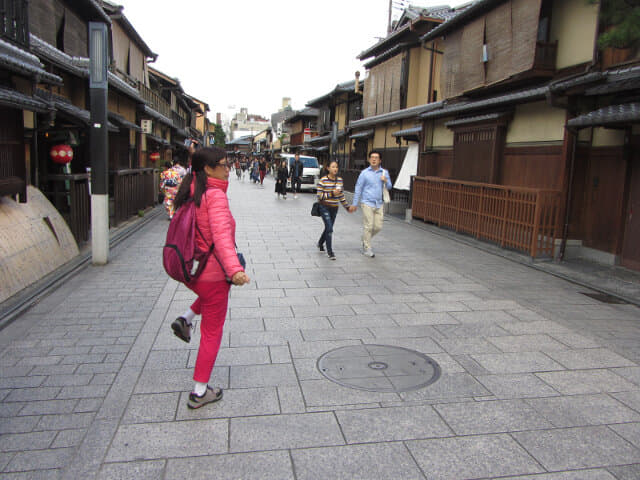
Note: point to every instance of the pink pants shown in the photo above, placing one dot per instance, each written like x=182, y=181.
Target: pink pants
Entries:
x=211, y=303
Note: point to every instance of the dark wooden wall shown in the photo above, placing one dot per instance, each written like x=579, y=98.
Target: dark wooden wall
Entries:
x=598, y=197
x=535, y=167
x=46, y=18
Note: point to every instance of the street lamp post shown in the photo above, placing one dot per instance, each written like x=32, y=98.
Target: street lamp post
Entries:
x=98, y=142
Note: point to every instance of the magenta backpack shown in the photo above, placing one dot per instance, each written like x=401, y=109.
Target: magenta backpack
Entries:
x=181, y=258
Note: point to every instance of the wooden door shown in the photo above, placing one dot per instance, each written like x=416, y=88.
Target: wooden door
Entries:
x=631, y=244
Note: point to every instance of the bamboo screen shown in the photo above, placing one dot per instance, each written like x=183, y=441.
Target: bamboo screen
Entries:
x=471, y=54
x=510, y=31
x=450, y=76
x=382, y=87
x=499, y=34
x=525, y=15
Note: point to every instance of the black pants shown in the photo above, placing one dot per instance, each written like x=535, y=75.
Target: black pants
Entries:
x=328, y=215
x=296, y=183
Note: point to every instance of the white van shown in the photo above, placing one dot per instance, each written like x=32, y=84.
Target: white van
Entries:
x=310, y=170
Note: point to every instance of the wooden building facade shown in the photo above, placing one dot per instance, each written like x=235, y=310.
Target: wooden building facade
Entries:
x=505, y=139
x=403, y=77
x=44, y=105
x=336, y=109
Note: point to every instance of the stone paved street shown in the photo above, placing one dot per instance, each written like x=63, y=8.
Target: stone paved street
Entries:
x=538, y=382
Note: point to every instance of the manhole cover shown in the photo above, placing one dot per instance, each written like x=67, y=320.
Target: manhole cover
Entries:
x=379, y=368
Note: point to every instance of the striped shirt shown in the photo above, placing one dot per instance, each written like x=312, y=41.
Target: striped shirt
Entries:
x=326, y=186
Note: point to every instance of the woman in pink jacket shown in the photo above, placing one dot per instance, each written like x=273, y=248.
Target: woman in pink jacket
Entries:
x=207, y=184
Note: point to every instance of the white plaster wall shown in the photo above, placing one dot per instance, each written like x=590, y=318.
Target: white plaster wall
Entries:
x=536, y=122
x=28, y=248
x=442, y=136
x=607, y=137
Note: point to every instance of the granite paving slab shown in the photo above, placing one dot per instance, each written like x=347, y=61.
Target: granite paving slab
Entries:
x=284, y=432
x=466, y=458
x=169, y=440
x=582, y=447
x=538, y=380
x=356, y=462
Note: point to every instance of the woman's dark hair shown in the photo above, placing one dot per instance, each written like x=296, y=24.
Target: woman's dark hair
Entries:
x=203, y=157
x=167, y=164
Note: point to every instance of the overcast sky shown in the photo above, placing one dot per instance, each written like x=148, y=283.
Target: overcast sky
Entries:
x=251, y=53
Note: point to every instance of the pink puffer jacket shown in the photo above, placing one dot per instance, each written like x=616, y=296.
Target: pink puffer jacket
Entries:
x=216, y=223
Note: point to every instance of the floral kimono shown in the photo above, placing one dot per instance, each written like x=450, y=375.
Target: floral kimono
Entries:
x=169, y=182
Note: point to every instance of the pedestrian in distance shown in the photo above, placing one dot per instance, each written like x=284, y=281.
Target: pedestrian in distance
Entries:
x=237, y=168
x=330, y=193
x=281, y=179
x=297, y=168
x=244, y=164
x=262, y=169
x=369, y=195
x=207, y=185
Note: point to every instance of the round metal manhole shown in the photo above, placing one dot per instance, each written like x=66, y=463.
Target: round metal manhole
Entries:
x=379, y=368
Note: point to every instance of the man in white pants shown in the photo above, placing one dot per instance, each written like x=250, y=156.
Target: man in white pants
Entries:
x=368, y=194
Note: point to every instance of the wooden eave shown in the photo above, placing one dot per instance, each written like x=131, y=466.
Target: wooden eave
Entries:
x=411, y=28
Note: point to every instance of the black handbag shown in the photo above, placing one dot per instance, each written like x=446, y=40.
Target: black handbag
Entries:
x=315, y=210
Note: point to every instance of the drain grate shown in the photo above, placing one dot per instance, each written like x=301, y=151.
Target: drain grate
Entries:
x=379, y=368
x=604, y=298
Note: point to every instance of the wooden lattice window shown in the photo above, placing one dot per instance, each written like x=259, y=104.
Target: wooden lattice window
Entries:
x=477, y=151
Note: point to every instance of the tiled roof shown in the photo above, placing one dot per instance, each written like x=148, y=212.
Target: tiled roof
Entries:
x=619, y=80
x=18, y=60
x=461, y=15
x=63, y=105
x=363, y=134
x=408, y=132
x=340, y=88
x=510, y=98
x=57, y=57
x=320, y=139
x=246, y=140
x=396, y=115
x=14, y=99
x=123, y=122
x=305, y=112
x=474, y=119
x=606, y=116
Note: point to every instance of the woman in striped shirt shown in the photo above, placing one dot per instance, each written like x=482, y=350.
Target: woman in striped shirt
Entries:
x=330, y=192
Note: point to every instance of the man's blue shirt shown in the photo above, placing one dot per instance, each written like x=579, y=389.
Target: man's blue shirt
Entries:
x=369, y=187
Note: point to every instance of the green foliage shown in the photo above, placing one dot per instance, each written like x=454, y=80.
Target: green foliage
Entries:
x=621, y=22
x=219, y=137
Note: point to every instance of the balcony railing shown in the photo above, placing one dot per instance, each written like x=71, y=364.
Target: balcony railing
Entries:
x=154, y=100
x=545, y=56
x=524, y=219
x=178, y=120
x=14, y=23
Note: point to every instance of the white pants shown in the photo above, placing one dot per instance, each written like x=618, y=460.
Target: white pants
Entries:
x=371, y=223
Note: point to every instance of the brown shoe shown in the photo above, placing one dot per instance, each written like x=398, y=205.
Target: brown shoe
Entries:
x=182, y=329
x=210, y=396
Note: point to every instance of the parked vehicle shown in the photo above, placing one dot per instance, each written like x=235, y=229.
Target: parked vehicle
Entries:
x=310, y=171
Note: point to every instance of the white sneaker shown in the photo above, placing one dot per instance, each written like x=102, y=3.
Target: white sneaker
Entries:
x=368, y=253
x=295, y=196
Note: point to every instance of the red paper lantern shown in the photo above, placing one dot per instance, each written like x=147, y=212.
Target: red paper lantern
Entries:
x=61, y=154
x=154, y=157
